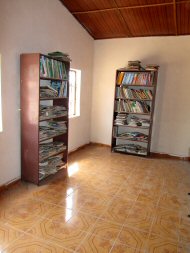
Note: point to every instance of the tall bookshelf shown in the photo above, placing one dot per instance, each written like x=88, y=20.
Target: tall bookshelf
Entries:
x=134, y=101
x=44, y=116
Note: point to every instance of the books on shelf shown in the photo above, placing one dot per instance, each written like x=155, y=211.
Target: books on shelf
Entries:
x=121, y=119
x=127, y=93
x=52, y=128
x=132, y=78
x=152, y=67
x=47, y=111
x=131, y=148
x=52, y=68
x=54, y=89
x=50, y=148
x=136, y=121
x=50, y=166
x=60, y=56
x=134, y=65
x=133, y=136
x=132, y=106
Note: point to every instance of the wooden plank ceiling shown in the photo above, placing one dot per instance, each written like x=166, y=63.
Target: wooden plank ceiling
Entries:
x=131, y=18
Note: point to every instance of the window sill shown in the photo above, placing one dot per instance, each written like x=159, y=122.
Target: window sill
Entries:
x=74, y=116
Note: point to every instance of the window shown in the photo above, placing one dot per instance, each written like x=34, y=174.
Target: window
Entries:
x=1, y=127
x=74, y=92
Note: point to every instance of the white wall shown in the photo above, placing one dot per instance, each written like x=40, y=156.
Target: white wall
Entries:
x=39, y=26
x=171, y=132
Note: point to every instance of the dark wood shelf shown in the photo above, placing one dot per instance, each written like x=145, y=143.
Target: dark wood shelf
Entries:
x=143, y=113
x=132, y=126
x=54, y=98
x=53, y=78
x=56, y=117
x=136, y=85
x=134, y=99
x=124, y=138
x=30, y=120
x=132, y=76
x=130, y=153
x=53, y=136
x=54, y=154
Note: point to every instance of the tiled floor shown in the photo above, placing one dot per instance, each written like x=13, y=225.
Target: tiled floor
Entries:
x=110, y=203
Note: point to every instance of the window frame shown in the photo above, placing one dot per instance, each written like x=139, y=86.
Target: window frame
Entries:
x=76, y=100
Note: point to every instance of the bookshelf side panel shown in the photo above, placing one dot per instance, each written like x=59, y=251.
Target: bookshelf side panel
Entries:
x=30, y=117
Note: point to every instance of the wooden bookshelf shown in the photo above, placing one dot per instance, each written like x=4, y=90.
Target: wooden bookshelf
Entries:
x=33, y=79
x=135, y=93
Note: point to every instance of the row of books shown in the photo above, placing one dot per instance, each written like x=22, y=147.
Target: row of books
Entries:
x=47, y=111
x=54, y=89
x=128, y=78
x=49, y=149
x=51, y=129
x=50, y=166
x=132, y=106
x=131, y=148
x=132, y=136
x=127, y=93
x=52, y=68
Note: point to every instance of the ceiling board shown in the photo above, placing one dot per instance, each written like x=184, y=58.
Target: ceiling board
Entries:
x=124, y=3
x=150, y=21
x=88, y=5
x=104, y=24
x=183, y=18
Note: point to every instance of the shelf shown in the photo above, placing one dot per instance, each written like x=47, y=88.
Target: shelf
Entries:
x=135, y=99
x=54, y=154
x=53, y=98
x=52, y=78
x=140, y=113
x=124, y=138
x=50, y=137
x=136, y=85
x=132, y=126
x=55, y=117
x=129, y=153
x=50, y=175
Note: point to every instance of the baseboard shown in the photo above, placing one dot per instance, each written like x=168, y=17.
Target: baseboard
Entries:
x=79, y=148
x=152, y=154
x=100, y=144
x=9, y=184
x=167, y=156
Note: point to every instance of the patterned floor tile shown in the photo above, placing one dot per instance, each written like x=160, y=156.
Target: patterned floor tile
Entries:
x=133, y=238
x=28, y=244
x=94, y=244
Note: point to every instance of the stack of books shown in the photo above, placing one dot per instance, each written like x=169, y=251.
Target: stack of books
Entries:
x=136, y=121
x=51, y=129
x=131, y=148
x=152, y=67
x=50, y=166
x=60, y=56
x=134, y=65
x=121, y=119
x=54, y=89
x=134, y=136
x=48, y=92
x=47, y=112
x=50, y=149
